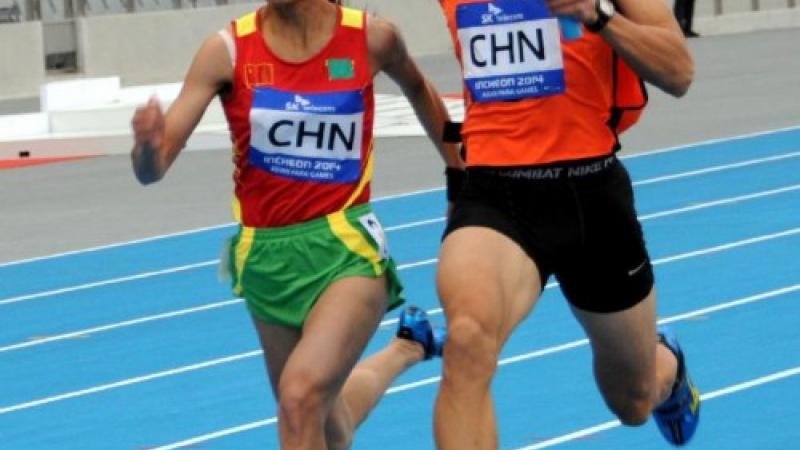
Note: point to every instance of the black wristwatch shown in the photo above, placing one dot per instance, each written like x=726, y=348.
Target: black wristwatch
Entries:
x=605, y=11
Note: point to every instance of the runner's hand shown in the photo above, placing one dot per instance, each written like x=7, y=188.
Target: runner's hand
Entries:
x=148, y=125
x=581, y=10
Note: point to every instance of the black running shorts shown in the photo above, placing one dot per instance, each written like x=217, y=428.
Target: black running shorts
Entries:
x=575, y=220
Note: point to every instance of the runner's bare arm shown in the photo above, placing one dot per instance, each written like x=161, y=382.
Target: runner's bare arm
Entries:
x=159, y=137
x=646, y=35
x=388, y=54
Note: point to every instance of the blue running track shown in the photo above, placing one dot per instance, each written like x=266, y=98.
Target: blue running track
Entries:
x=139, y=346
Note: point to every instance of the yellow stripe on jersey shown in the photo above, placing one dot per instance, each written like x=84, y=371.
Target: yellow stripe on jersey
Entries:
x=362, y=182
x=236, y=208
x=246, y=24
x=352, y=18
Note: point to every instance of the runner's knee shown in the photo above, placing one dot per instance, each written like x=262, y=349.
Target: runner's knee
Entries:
x=631, y=404
x=302, y=398
x=471, y=350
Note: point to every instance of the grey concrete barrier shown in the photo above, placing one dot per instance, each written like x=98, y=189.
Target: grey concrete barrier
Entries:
x=21, y=59
x=421, y=23
x=149, y=47
x=743, y=22
x=157, y=47
x=154, y=47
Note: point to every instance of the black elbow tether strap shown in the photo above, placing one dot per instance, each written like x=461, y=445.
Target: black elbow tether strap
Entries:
x=451, y=132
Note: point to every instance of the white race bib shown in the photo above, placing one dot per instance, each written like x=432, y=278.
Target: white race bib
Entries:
x=510, y=50
x=308, y=137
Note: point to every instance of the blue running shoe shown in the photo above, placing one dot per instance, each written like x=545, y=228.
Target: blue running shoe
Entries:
x=414, y=326
x=678, y=416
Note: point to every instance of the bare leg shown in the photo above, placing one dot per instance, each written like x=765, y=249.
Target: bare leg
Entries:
x=278, y=342
x=365, y=386
x=370, y=379
x=363, y=389
x=322, y=396
x=487, y=285
x=308, y=367
x=633, y=371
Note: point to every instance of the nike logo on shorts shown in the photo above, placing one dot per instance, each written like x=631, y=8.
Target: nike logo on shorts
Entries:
x=638, y=268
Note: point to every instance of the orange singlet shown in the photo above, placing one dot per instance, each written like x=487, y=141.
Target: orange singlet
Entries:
x=530, y=97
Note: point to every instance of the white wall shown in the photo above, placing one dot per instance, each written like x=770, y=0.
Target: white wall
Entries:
x=21, y=59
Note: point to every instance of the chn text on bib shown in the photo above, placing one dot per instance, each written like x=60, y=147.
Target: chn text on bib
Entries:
x=510, y=50
x=308, y=137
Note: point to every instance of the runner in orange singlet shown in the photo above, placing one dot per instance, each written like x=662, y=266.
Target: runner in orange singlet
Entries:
x=545, y=195
x=310, y=257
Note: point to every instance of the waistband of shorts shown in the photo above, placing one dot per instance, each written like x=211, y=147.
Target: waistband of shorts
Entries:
x=311, y=225
x=562, y=170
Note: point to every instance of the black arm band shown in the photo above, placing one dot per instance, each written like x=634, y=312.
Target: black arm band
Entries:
x=451, y=132
x=455, y=181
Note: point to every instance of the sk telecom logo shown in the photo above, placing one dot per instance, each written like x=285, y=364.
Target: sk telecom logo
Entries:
x=299, y=103
x=493, y=11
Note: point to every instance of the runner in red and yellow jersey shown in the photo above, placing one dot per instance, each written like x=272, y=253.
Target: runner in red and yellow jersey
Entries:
x=544, y=194
x=310, y=258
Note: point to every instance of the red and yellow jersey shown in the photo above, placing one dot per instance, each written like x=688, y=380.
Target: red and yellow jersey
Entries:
x=302, y=132
x=531, y=97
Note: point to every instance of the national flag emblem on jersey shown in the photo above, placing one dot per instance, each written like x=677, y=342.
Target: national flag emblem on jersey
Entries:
x=258, y=75
x=340, y=69
x=308, y=137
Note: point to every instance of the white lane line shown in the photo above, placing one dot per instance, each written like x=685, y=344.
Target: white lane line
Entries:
x=184, y=233
x=575, y=435
x=81, y=287
x=415, y=224
x=114, y=326
x=670, y=212
x=722, y=247
x=167, y=271
x=394, y=196
x=724, y=201
x=142, y=275
x=720, y=168
x=510, y=360
x=708, y=396
x=166, y=315
x=694, y=146
x=384, y=324
x=662, y=179
x=539, y=353
x=731, y=304
x=128, y=382
x=116, y=245
x=217, y=434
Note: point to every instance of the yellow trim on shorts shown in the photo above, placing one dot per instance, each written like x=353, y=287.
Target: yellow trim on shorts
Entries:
x=242, y=251
x=354, y=240
x=352, y=18
x=246, y=25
